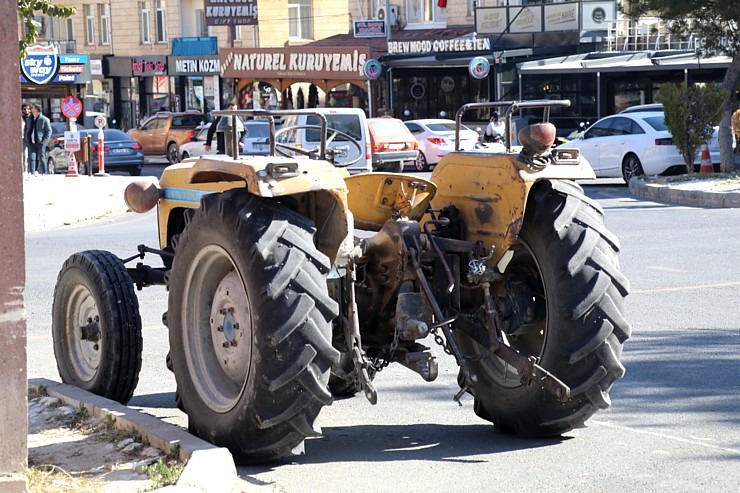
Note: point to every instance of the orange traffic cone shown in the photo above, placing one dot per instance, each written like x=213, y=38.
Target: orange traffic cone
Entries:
x=706, y=160
x=72, y=165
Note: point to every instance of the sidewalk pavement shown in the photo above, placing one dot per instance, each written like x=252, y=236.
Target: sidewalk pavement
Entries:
x=57, y=200
x=53, y=201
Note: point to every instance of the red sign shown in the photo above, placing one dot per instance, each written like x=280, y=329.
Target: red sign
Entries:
x=71, y=107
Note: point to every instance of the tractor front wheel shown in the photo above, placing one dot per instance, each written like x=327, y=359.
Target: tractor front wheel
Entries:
x=250, y=326
x=96, y=325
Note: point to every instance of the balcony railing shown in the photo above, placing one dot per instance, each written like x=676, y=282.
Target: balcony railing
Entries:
x=650, y=33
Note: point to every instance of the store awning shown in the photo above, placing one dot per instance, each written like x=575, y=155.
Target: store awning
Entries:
x=622, y=62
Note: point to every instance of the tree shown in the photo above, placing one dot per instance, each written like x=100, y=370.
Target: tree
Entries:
x=691, y=113
x=26, y=11
x=716, y=24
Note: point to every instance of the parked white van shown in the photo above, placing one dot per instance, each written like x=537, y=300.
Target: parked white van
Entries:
x=303, y=131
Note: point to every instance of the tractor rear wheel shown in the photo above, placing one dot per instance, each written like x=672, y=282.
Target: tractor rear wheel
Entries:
x=96, y=325
x=250, y=326
x=563, y=277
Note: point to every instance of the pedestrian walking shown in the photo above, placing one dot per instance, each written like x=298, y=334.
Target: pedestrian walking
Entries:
x=38, y=133
x=25, y=117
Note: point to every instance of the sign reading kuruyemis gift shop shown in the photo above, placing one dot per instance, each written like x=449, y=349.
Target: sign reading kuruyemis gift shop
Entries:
x=230, y=12
x=338, y=69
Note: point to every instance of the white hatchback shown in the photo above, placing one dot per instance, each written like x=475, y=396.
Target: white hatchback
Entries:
x=436, y=139
x=632, y=144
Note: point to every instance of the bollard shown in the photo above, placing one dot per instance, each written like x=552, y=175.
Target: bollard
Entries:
x=101, y=152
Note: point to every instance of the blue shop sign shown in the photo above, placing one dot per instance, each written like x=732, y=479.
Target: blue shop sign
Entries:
x=49, y=68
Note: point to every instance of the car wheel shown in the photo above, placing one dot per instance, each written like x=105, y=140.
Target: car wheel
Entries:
x=135, y=171
x=421, y=162
x=631, y=166
x=185, y=155
x=173, y=153
x=51, y=165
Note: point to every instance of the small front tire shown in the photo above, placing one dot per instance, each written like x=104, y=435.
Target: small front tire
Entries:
x=96, y=326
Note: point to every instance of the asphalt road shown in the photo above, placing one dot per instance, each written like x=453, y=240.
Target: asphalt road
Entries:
x=674, y=424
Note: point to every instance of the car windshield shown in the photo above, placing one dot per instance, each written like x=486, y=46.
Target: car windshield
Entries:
x=657, y=122
x=258, y=131
x=387, y=127
x=188, y=120
x=110, y=134
x=444, y=127
x=349, y=124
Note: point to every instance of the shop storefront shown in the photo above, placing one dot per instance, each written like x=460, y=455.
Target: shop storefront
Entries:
x=287, y=78
x=601, y=84
x=141, y=88
x=47, y=78
x=197, y=81
x=430, y=76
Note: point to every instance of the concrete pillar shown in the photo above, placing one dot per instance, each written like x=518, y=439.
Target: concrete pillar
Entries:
x=13, y=379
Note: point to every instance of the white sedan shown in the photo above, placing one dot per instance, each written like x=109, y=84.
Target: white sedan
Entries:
x=256, y=141
x=436, y=139
x=633, y=144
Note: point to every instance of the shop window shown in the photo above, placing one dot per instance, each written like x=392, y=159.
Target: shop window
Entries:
x=425, y=12
x=89, y=25
x=105, y=28
x=161, y=20
x=300, y=20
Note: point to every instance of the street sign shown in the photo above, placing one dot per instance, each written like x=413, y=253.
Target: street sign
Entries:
x=71, y=107
x=100, y=121
x=72, y=141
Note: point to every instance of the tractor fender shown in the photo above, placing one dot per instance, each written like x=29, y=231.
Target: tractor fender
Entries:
x=491, y=190
x=313, y=188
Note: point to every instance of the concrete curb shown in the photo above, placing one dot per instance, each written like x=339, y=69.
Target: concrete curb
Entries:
x=698, y=198
x=208, y=469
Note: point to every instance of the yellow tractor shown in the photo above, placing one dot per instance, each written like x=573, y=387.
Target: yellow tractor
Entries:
x=292, y=283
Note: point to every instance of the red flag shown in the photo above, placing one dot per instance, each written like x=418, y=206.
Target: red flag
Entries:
x=442, y=4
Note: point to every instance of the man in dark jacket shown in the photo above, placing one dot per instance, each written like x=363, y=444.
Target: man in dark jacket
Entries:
x=220, y=143
x=38, y=133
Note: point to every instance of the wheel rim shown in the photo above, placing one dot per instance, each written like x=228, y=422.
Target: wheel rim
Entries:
x=523, y=272
x=631, y=168
x=83, y=337
x=217, y=335
x=173, y=153
x=420, y=162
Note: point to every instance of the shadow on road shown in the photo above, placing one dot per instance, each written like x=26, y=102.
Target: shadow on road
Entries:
x=413, y=442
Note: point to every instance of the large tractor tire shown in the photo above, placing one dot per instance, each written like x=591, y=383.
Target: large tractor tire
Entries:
x=96, y=326
x=250, y=326
x=565, y=271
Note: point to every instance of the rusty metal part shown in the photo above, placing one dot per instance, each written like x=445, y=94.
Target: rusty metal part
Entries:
x=355, y=341
x=469, y=379
x=421, y=362
x=433, y=242
x=526, y=366
x=413, y=316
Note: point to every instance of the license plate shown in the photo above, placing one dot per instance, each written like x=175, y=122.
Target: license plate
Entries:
x=122, y=150
x=396, y=147
x=259, y=146
x=342, y=151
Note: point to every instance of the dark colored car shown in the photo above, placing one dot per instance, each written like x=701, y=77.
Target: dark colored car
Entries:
x=120, y=153
x=57, y=135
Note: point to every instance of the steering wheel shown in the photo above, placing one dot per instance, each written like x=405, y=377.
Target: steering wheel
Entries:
x=332, y=133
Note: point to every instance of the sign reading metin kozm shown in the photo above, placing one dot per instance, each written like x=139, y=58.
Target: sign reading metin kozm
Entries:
x=230, y=12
